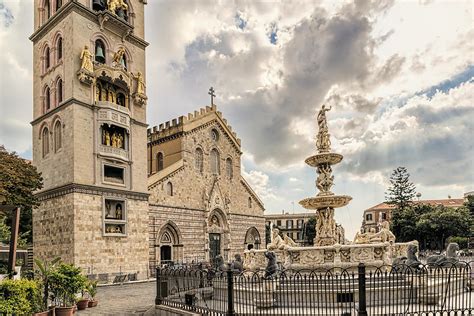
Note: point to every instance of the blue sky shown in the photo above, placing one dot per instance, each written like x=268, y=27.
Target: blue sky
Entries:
x=399, y=81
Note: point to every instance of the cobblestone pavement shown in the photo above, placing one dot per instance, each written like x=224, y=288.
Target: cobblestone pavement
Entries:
x=127, y=299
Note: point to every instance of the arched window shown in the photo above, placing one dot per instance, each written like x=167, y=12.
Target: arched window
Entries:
x=57, y=136
x=121, y=99
x=229, y=168
x=124, y=62
x=198, y=160
x=45, y=140
x=169, y=189
x=59, y=49
x=47, y=9
x=159, y=162
x=100, y=51
x=59, y=3
x=250, y=202
x=215, y=161
x=47, y=99
x=59, y=91
x=47, y=60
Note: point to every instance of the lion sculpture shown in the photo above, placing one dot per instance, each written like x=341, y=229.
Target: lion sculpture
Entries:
x=451, y=257
x=410, y=261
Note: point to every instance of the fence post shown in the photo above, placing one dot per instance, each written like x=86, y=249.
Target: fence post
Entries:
x=230, y=293
x=362, y=310
x=158, y=286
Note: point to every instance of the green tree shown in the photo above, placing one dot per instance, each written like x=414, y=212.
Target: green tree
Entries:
x=470, y=204
x=310, y=230
x=443, y=222
x=401, y=191
x=404, y=221
x=18, y=180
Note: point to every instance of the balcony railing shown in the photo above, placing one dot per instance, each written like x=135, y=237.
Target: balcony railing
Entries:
x=113, y=151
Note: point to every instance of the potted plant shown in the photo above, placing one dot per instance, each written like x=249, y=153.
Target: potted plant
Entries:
x=82, y=302
x=37, y=305
x=92, y=291
x=64, y=283
x=43, y=272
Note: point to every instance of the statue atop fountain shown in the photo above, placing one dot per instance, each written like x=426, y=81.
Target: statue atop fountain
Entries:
x=325, y=201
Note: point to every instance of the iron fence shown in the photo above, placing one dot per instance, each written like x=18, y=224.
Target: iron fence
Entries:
x=386, y=290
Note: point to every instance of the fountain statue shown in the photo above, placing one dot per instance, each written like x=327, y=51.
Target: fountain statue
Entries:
x=373, y=248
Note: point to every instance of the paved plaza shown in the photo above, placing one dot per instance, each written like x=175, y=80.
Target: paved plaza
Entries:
x=127, y=299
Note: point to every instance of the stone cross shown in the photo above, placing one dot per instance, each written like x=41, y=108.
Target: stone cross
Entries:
x=211, y=93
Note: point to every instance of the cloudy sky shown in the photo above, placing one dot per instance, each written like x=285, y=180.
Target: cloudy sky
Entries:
x=398, y=75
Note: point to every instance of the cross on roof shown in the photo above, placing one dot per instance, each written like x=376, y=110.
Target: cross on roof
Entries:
x=211, y=93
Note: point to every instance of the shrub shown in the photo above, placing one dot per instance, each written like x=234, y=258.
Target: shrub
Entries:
x=19, y=297
x=65, y=282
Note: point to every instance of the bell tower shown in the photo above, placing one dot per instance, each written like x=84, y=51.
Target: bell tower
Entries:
x=89, y=134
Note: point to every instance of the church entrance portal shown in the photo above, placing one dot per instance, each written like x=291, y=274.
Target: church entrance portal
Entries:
x=165, y=254
x=214, y=246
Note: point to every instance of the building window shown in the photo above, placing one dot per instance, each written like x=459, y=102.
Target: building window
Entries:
x=198, y=160
x=114, y=174
x=59, y=91
x=169, y=189
x=115, y=217
x=121, y=99
x=298, y=236
x=59, y=49
x=278, y=223
x=229, y=168
x=300, y=223
x=45, y=140
x=250, y=202
x=47, y=60
x=47, y=99
x=214, y=135
x=159, y=162
x=368, y=217
x=100, y=52
x=47, y=9
x=384, y=216
x=289, y=224
x=57, y=136
x=215, y=162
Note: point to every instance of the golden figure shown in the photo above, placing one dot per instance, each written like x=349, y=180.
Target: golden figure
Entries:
x=86, y=58
x=118, y=56
x=114, y=140
x=98, y=92
x=117, y=4
x=140, y=83
x=107, y=138
x=111, y=95
x=120, y=141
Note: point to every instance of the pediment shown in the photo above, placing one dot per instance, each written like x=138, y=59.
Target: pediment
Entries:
x=215, y=198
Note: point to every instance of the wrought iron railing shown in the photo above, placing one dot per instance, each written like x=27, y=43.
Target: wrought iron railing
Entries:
x=386, y=290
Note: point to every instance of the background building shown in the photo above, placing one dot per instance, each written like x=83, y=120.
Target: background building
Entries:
x=291, y=224
x=200, y=205
x=383, y=212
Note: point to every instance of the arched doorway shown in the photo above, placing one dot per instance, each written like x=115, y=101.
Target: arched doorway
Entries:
x=169, y=244
x=218, y=237
x=252, y=239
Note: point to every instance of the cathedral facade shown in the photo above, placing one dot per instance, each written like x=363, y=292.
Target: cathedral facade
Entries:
x=103, y=206
x=200, y=205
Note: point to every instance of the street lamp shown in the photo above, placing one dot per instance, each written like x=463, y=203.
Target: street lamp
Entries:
x=15, y=225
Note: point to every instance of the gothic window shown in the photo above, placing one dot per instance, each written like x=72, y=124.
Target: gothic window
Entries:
x=59, y=49
x=215, y=161
x=199, y=160
x=229, y=168
x=159, y=162
x=47, y=99
x=47, y=60
x=59, y=91
x=250, y=202
x=100, y=51
x=169, y=189
x=57, y=136
x=59, y=3
x=45, y=140
x=47, y=9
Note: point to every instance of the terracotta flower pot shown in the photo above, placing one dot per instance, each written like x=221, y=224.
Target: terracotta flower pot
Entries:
x=64, y=311
x=82, y=304
x=42, y=314
x=93, y=303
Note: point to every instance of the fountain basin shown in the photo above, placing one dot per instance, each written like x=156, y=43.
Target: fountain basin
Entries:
x=323, y=158
x=318, y=202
